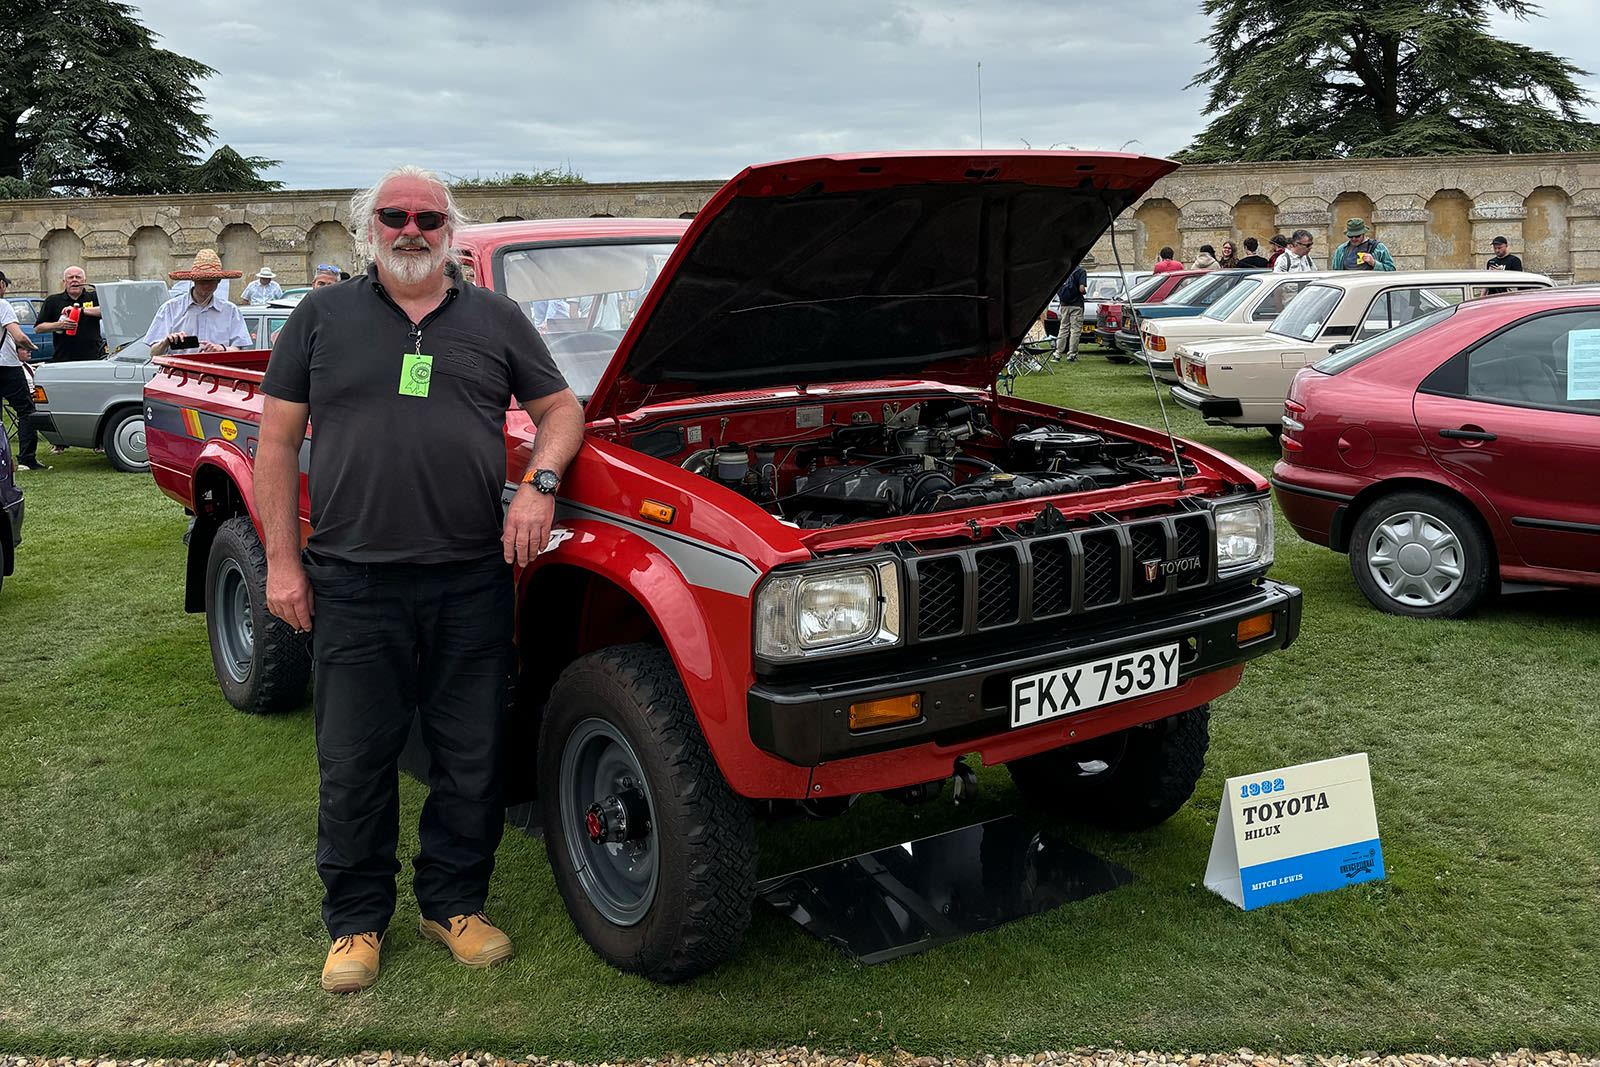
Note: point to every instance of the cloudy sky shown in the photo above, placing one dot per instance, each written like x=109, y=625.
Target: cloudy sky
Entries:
x=642, y=90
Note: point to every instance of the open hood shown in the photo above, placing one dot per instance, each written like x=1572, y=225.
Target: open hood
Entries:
x=127, y=309
x=847, y=268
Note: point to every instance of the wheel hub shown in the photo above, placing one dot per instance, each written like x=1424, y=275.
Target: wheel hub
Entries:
x=1415, y=560
x=617, y=817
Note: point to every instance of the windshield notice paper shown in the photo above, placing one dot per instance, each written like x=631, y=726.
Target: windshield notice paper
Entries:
x=1297, y=830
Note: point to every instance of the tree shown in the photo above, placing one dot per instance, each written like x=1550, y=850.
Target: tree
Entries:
x=90, y=106
x=548, y=176
x=1314, y=79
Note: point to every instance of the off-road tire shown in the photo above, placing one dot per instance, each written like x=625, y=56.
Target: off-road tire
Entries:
x=273, y=676
x=705, y=882
x=1474, y=553
x=1150, y=773
x=116, y=445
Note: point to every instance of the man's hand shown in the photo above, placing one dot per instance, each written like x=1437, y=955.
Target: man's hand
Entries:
x=211, y=346
x=289, y=594
x=527, y=525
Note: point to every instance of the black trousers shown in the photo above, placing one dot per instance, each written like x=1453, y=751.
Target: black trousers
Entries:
x=391, y=641
x=14, y=390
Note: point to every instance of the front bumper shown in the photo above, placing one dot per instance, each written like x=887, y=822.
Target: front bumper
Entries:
x=967, y=697
x=1212, y=407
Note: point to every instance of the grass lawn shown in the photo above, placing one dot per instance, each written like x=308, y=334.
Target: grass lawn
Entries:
x=158, y=894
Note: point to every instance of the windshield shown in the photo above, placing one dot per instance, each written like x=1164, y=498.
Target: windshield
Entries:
x=1189, y=287
x=1143, y=290
x=1103, y=288
x=1349, y=357
x=1307, y=313
x=582, y=298
x=1238, y=295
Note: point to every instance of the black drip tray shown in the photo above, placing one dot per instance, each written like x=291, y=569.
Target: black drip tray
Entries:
x=917, y=895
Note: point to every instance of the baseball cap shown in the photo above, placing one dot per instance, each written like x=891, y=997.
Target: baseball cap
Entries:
x=1499, y=241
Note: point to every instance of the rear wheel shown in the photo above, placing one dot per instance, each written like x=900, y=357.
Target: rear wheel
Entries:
x=122, y=438
x=1421, y=555
x=653, y=853
x=261, y=664
x=1130, y=780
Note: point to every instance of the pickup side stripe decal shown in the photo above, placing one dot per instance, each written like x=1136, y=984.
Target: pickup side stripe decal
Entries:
x=203, y=426
x=705, y=566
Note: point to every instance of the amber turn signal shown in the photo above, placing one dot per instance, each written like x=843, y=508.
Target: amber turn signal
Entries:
x=656, y=512
x=1254, y=627
x=38, y=395
x=883, y=712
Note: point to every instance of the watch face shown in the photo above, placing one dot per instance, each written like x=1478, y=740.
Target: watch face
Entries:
x=546, y=481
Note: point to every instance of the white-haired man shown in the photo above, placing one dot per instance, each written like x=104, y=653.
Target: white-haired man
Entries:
x=407, y=373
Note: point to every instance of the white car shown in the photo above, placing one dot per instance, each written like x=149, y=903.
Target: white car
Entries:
x=1242, y=381
x=1246, y=311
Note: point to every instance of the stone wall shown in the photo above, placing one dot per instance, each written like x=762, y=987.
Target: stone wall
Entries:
x=1436, y=212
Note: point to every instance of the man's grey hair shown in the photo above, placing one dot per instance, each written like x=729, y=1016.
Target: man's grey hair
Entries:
x=365, y=202
x=1293, y=237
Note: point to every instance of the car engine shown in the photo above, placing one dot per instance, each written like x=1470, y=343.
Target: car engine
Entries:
x=928, y=458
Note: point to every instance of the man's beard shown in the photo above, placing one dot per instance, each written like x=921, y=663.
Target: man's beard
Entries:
x=410, y=269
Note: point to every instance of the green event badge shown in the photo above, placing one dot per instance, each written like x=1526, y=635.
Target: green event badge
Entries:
x=416, y=373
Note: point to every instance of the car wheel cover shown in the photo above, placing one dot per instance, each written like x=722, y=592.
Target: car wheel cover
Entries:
x=230, y=606
x=619, y=879
x=128, y=440
x=1415, y=558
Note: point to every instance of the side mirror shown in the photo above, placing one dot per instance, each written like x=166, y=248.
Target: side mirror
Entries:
x=1339, y=348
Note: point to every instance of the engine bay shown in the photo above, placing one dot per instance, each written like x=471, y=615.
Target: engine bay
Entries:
x=917, y=458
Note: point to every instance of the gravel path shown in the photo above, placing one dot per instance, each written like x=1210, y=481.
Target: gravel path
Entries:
x=803, y=1057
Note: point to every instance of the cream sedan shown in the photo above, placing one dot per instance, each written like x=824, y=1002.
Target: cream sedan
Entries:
x=1234, y=381
x=1247, y=311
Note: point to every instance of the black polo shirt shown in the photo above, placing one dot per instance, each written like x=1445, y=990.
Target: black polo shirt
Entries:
x=1505, y=262
x=396, y=476
x=87, y=342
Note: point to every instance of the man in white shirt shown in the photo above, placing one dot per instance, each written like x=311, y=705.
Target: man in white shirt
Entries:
x=263, y=290
x=1297, y=257
x=15, y=388
x=219, y=324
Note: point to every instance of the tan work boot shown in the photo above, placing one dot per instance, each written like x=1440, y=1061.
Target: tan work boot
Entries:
x=472, y=939
x=352, y=963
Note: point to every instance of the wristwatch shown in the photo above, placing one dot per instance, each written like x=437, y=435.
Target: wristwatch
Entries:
x=543, y=480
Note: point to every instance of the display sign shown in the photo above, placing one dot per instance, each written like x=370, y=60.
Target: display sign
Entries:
x=1296, y=830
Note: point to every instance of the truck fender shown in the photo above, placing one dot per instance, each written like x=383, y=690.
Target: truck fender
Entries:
x=686, y=605
x=220, y=489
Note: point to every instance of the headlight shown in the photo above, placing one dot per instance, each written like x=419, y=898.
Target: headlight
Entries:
x=1244, y=534
x=832, y=609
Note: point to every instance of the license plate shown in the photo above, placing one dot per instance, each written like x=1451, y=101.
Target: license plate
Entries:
x=1069, y=690
x=1088, y=328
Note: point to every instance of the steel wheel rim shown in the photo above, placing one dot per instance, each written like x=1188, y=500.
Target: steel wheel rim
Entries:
x=236, y=633
x=1416, y=558
x=619, y=879
x=129, y=442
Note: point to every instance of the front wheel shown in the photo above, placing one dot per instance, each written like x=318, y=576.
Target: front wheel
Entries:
x=122, y=439
x=1130, y=780
x=653, y=853
x=262, y=665
x=1421, y=555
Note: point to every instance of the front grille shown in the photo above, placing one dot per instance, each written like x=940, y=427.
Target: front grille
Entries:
x=999, y=588
x=968, y=590
x=939, y=597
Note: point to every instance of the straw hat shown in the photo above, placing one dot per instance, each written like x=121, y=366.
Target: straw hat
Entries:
x=265, y=273
x=207, y=267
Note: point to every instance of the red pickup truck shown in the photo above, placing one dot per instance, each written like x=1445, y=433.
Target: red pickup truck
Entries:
x=807, y=551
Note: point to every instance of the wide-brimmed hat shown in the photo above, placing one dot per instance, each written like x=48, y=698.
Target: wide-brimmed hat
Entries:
x=1355, y=227
x=207, y=267
x=265, y=273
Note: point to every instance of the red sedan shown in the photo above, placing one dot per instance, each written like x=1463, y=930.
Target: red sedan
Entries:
x=1454, y=453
